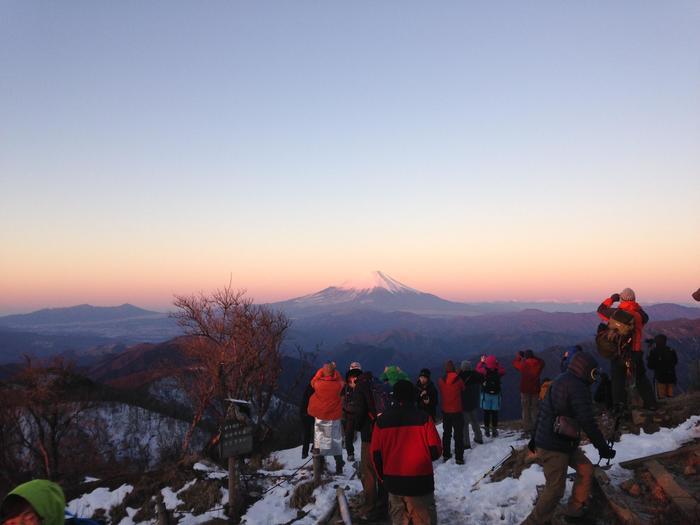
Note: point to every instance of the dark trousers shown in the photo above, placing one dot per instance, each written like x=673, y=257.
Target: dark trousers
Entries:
x=349, y=436
x=490, y=418
x=307, y=429
x=449, y=422
x=618, y=373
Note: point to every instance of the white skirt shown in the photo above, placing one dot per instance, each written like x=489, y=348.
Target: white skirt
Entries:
x=328, y=437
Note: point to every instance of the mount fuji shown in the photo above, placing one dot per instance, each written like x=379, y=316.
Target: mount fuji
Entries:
x=373, y=291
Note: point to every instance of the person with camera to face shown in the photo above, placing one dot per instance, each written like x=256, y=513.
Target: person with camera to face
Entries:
x=426, y=393
x=530, y=368
x=567, y=410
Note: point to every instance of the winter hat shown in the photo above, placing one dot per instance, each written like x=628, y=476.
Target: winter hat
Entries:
x=355, y=366
x=449, y=366
x=627, y=295
x=404, y=391
x=45, y=497
x=425, y=372
x=392, y=374
x=529, y=354
x=466, y=365
x=582, y=365
x=491, y=362
x=660, y=340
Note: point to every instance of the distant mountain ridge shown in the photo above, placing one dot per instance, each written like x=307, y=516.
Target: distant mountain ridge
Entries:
x=82, y=313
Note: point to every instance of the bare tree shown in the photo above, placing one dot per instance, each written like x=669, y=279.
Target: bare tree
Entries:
x=234, y=351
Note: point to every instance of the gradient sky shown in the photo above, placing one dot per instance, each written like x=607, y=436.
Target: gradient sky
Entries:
x=476, y=150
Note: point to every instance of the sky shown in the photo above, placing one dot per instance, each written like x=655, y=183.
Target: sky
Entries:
x=475, y=150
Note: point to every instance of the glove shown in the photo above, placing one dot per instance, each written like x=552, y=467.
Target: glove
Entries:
x=531, y=446
x=608, y=453
x=615, y=297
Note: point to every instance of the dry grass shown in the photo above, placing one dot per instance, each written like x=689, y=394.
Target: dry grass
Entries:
x=303, y=495
x=200, y=497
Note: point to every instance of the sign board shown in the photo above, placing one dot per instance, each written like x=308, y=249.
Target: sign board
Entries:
x=236, y=439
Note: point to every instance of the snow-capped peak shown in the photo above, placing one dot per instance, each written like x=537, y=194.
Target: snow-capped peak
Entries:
x=376, y=279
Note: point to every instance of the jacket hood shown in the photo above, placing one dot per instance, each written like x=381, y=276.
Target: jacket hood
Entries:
x=581, y=366
x=491, y=362
x=46, y=497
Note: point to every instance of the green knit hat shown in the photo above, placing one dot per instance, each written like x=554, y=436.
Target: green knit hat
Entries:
x=393, y=374
x=46, y=497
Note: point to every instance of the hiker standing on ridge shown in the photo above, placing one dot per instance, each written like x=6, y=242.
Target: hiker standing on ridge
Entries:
x=325, y=404
x=307, y=421
x=566, y=410
x=470, y=402
x=618, y=368
x=427, y=393
x=491, y=370
x=530, y=368
x=451, y=387
x=663, y=360
x=366, y=416
x=349, y=411
x=404, y=445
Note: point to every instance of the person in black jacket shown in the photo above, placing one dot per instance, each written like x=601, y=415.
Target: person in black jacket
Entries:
x=349, y=409
x=426, y=393
x=365, y=418
x=470, y=402
x=307, y=421
x=568, y=396
x=663, y=360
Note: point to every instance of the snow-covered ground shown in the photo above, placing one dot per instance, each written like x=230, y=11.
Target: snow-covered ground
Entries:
x=505, y=502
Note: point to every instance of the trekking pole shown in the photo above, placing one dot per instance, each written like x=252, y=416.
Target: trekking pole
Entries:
x=494, y=468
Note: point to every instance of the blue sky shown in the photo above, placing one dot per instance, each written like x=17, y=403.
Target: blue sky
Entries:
x=149, y=148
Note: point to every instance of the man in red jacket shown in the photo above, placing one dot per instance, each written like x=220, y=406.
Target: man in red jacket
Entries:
x=530, y=368
x=618, y=368
x=451, y=388
x=325, y=404
x=404, y=445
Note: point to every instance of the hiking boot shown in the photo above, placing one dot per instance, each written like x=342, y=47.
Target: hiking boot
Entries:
x=304, y=455
x=479, y=441
x=459, y=461
x=351, y=458
x=339, y=467
x=446, y=457
x=467, y=447
x=488, y=431
x=495, y=432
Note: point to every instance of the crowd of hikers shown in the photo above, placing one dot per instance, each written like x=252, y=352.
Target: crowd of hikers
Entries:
x=396, y=421
x=396, y=417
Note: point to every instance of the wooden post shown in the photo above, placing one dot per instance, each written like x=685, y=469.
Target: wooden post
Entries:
x=161, y=511
x=318, y=469
x=233, y=499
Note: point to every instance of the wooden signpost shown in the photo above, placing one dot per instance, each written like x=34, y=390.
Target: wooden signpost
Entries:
x=236, y=440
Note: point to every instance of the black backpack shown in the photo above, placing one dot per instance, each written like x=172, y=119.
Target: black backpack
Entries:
x=492, y=382
x=615, y=338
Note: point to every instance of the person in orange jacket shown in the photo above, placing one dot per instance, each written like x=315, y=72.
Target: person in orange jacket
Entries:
x=530, y=368
x=326, y=405
x=451, y=387
x=628, y=302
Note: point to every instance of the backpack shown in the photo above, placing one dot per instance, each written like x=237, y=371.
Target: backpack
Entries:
x=492, y=382
x=382, y=397
x=615, y=338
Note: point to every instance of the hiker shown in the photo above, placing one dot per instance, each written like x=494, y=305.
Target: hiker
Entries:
x=307, y=421
x=451, y=387
x=36, y=502
x=426, y=393
x=546, y=382
x=568, y=404
x=567, y=356
x=470, y=402
x=325, y=404
x=663, y=360
x=405, y=442
x=530, y=368
x=491, y=372
x=619, y=362
x=349, y=410
x=365, y=419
